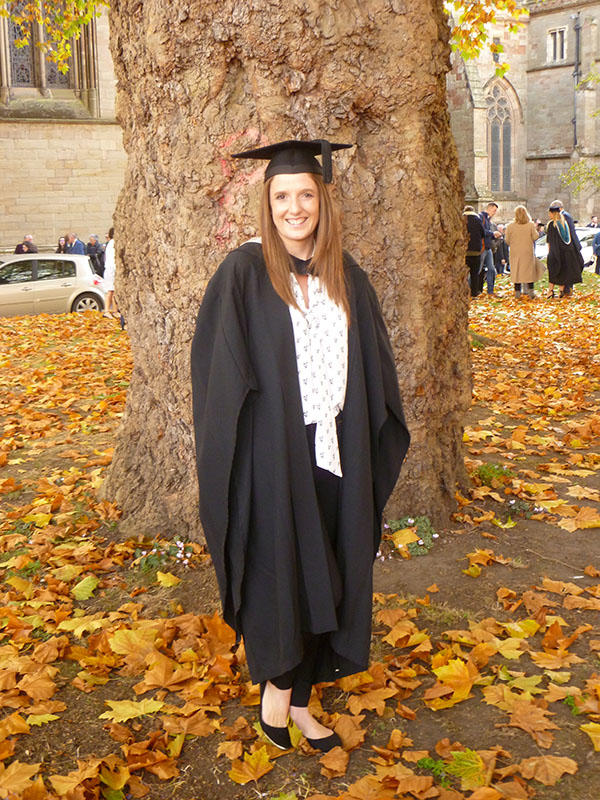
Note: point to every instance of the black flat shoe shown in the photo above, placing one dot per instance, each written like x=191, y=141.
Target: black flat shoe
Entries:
x=325, y=743
x=280, y=737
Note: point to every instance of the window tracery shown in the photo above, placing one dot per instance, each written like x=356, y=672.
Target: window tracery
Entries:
x=27, y=75
x=500, y=128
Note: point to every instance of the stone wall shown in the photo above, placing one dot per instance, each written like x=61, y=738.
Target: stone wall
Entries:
x=59, y=177
x=62, y=175
x=553, y=103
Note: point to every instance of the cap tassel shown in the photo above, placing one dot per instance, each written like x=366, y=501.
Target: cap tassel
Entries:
x=326, y=160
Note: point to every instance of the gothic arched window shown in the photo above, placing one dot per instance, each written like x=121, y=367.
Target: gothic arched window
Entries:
x=499, y=140
x=26, y=73
x=22, y=65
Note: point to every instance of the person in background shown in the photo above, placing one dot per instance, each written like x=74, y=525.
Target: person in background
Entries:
x=474, y=227
x=111, y=309
x=593, y=223
x=520, y=236
x=565, y=262
x=75, y=245
x=540, y=227
x=596, y=249
x=96, y=253
x=501, y=264
x=26, y=246
x=62, y=245
x=568, y=287
x=490, y=236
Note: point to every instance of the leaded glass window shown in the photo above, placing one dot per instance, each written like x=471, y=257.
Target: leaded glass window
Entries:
x=22, y=70
x=55, y=78
x=499, y=141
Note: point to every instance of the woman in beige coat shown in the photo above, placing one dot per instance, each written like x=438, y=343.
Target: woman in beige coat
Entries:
x=520, y=236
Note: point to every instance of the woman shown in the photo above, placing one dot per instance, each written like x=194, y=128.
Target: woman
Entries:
x=300, y=436
x=62, y=245
x=109, y=277
x=520, y=236
x=565, y=262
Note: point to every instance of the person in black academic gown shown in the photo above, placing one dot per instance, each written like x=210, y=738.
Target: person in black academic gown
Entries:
x=297, y=453
x=565, y=262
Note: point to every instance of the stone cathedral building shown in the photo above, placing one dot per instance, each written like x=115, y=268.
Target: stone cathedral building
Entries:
x=61, y=152
x=62, y=159
x=517, y=135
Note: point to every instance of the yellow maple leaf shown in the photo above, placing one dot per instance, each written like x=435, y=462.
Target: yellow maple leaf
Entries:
x=80, y=625
x=167, y=579
x=593, y=731
x=122, y=710
x=510, y=523
x=522, y=629
x=39, y=520
x=253, y=767
x=40, y=719
x=138, y=641
x=404, y=536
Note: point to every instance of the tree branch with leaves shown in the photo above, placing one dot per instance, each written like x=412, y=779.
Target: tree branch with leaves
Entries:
x=61, y=20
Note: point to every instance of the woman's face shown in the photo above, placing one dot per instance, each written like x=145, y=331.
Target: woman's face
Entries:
x=294, y=203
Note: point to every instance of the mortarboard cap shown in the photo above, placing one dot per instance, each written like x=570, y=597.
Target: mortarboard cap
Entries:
x=554, y=206
x=295, y=156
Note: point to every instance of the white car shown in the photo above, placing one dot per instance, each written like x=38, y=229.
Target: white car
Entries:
x=48, y=283
x=585, y=236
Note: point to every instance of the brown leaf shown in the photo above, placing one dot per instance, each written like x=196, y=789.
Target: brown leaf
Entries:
x=373, y=700
x=444, y=748
x=348, y=729
x=231, y=750
x=16, y=778
x=485, y=793
x=412, y=756
x=547, y=769
x=334, y=763
x=533, y=720
x=13, y=724
x=120, y=733
x=197, y=725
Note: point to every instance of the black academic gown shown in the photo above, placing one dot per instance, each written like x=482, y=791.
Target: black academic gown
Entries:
x=258, y=505
x=565, y=262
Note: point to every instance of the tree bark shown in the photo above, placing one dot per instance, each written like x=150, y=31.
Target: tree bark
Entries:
x=199, y=80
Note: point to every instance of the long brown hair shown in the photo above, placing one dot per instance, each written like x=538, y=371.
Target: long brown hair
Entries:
x=327, y=261
x=522, y=215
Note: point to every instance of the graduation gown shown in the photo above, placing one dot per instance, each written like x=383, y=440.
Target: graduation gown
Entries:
x=565, y=262
x=277, y=575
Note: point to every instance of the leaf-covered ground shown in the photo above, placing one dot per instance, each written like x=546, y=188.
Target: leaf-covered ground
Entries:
x=119, y=680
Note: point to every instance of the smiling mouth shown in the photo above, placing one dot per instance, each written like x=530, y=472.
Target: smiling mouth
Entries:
x=295, y=221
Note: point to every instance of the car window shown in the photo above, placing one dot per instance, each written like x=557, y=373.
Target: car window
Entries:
x=47, y=269
x=17, y=272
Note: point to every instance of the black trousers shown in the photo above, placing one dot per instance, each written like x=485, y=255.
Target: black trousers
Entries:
x=475, y=281
x=327, y=487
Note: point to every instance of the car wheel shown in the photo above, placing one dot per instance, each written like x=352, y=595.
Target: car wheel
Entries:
x=87, y=302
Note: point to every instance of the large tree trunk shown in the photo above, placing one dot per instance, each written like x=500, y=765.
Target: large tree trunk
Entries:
x=200, y=80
